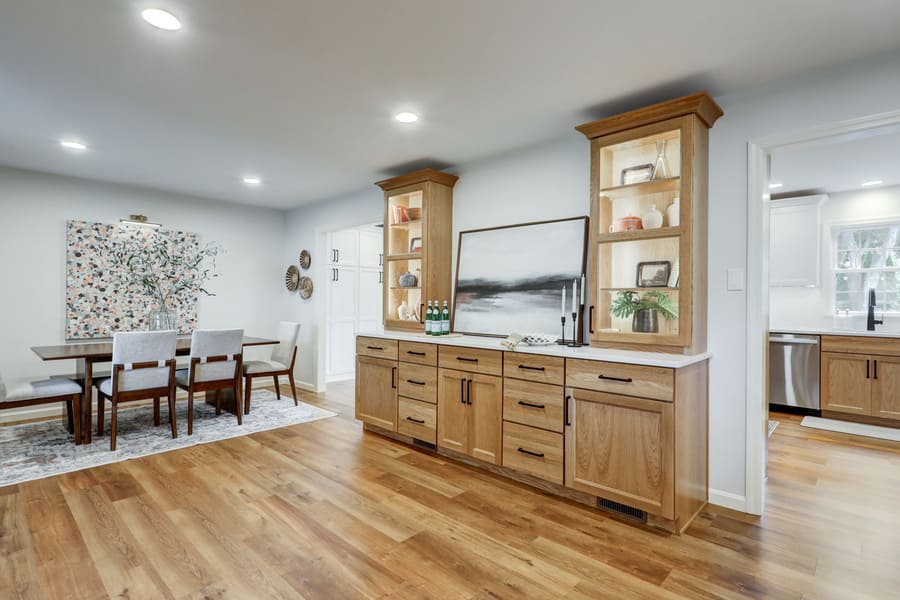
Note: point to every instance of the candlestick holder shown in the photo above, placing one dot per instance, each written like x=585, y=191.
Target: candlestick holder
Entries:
x=562, y=340
x=581, y=340
x=574, y=343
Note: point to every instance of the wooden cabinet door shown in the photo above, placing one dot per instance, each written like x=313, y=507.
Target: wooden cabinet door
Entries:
x=376, y=392
x=846, y=384
x=622, y=448
x=453, y=412
x=484, y=397
x=886, y=387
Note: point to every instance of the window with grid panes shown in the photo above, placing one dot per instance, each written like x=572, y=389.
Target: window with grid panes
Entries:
x=864, y=257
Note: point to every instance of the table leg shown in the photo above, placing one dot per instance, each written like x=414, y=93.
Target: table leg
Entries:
x=84, y=369
x=227, y=399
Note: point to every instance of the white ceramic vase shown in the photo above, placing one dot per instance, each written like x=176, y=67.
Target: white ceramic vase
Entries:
x=653, y=219
x=673, y=212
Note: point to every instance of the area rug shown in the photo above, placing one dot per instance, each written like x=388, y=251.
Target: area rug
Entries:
x=872, y=431
x=773, y=425
x=37, y=450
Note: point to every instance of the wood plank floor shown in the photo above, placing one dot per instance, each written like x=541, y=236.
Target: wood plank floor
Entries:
x=323, y=510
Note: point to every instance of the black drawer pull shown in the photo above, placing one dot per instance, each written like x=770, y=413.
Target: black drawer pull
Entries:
x=566, y=412
x=415, y=353
x=530, y=405
x=622, y=379
x=414, y=382
x=374, y=347
x=530, y=453
x=464, y=359
x=415, y=420
x=531, y=368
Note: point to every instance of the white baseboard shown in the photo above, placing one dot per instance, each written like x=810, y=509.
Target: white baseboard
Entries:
x=728, y=500
x=340, y=377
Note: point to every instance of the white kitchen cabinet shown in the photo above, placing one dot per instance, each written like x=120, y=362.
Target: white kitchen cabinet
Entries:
x=795, y=247
x=344, y=245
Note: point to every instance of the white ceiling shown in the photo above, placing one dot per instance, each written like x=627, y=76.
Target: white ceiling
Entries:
x=303, y=93
x=839, y=163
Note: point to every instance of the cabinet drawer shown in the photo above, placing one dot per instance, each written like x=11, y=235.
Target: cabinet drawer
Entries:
x=533, y=451
x=534, y=404
x=534, y=367
x=418, y=382
x=419, y=353
x=377, y=347
x=417, y=419
x=861, y=345
x=473, y=360
x=616, y=378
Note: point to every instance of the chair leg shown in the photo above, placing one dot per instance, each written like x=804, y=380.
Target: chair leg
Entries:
x=190, y=412
x=237, y=403
x=293, y=387
x=112, y=425
x=172, y=414
x=219, y=402
x=156, y=411
x=248, y=385
x=76, y=409
x=101, y=408
x=70, y=418
x=277, y=390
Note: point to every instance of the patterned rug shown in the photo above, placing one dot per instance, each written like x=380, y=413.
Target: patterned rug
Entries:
x=37, y=450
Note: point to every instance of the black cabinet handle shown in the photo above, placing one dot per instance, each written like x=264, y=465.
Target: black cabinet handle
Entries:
x=380, y=275
x=527, y=368
x=381, y=260
x=415, y=353
x=337, y=255
x=566, y=411
x=468, y=391
x=415, y=420
x=414, y=382
x=622, y=379
x=462, y=391
x=867, y=368
x=530, y=453
x=875, y=368
x=464, y=359
x=374, y=347
x=591, y=319
x=394, y=377
x=530, y=405
x=422, y=313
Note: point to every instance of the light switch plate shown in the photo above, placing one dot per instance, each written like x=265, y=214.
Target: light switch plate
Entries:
x=735, y=280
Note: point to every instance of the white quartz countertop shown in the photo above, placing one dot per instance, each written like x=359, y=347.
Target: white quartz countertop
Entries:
x=651, y=359
x=824, y=331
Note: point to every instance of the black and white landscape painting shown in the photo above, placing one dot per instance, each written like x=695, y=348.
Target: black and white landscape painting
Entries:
x=510, y=279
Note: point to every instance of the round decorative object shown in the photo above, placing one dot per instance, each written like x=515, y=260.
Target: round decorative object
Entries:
x=653, y=218
x=408, y=280
x=291, y=278
x=305, y=259
x=306, y=287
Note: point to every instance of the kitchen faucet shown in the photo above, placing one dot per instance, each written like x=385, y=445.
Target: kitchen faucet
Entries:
x=871, y=322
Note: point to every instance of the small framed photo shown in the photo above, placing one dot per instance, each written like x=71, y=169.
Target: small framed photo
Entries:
x=673, y=276
x=637, y=174
x=415, y=244
x=653, y=274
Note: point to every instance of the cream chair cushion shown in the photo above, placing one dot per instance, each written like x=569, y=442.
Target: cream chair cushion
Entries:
x=33, y=390
x=287, y=339
x=213, y=342
x=139, y=347
x=253, y=367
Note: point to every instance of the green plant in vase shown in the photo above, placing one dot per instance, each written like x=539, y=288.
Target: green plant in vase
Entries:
x=644, y=309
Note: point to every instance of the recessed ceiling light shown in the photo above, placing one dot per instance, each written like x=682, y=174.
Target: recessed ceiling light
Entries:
x=162, y=19
x=775, y=186
x=872, y=182
x=72, y=145
x=251, y=180
x=407, y=117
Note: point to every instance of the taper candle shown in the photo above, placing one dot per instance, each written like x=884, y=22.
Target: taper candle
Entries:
x=563, y=309
x=582, y=289
x=574, y=295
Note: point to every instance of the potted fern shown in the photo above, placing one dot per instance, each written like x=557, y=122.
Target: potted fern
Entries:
x=644, y=309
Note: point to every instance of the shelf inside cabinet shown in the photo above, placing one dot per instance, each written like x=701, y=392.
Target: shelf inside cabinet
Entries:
x=405, y=256
x=638, y=234
x=407, y=223
x=644, y=188
x=640, y=290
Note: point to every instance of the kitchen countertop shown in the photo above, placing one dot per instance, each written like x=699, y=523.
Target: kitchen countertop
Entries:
x=825, y=331
x=651, y=359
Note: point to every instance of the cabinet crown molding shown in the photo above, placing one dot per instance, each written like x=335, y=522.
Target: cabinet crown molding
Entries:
x=700, y=104
x=420, y=176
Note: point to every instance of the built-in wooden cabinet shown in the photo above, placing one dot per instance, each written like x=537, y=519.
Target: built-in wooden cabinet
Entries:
x=846, y=384
x=860, y=378
x=648, y=225
x=376, y=392
x=886, y=387
x=469, y=414
x=418, y=220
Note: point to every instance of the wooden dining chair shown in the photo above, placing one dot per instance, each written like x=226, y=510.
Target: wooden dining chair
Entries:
x=280, y=363
x=143, y=368
x=216, y=361
x=22, y=393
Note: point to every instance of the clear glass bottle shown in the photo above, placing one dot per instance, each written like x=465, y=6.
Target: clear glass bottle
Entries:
x=661, y=167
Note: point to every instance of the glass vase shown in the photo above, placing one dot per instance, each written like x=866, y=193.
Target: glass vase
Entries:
x=661, y=167
x=161, y=319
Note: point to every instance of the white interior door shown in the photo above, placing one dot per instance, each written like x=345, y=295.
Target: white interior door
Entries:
x=342, y=322
x=370, y=300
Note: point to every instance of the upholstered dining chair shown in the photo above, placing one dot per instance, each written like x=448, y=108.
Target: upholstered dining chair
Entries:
x=22, y=393
x=216, y=360
x=280, y=363
x=143, y=368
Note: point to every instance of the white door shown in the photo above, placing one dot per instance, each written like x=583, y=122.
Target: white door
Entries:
x=342, y=322
x=370, y=300
x=344, y=247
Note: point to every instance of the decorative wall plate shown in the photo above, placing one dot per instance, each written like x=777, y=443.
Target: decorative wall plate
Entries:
x=306, y=287
x=291, y=278
x=305, y=259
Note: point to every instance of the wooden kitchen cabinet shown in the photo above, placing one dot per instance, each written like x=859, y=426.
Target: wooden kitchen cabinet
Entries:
x=470, y=414
x=886, y=387
x=622, y=448
x=846, y=383
x=861, y=377
x=376, y=391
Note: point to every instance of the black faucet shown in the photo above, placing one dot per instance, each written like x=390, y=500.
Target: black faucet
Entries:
x=871, y=322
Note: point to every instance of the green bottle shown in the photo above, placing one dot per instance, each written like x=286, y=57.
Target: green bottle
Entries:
x=429, y=320
x=445, y=320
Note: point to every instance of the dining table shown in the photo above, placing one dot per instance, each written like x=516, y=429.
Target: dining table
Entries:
x=88, y=354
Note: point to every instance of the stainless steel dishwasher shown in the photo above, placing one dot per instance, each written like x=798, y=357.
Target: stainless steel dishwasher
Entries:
x=794, y=371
